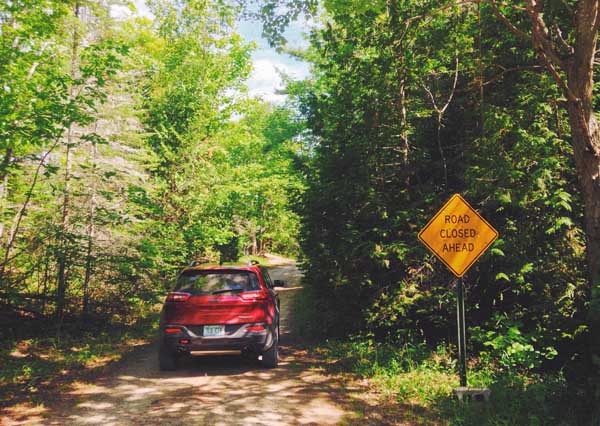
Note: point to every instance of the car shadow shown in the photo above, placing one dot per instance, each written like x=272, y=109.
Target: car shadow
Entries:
x=213, y=390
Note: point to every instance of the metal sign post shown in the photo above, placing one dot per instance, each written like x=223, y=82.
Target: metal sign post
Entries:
x=462, y=339
x=458, y=236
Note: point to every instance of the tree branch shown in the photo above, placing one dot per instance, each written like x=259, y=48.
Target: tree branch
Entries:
x=541, y=40
x=431, y=97
x=453, y=87
x=570, y=49
x=509, y=25
x=540, y=35
x=509, y=70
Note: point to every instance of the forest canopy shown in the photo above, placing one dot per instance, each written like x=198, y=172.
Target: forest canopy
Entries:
x=129, y=149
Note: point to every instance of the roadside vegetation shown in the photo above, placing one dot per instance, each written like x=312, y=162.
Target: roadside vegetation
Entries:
x=37, y=364
x=413, y=384
x=411, y=102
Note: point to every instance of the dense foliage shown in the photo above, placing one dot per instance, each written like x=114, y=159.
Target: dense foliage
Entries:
x=412, y=102
x=128, y=149
x=389, y=156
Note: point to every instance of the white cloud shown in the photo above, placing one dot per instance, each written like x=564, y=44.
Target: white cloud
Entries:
x=266, y=80
x=124, y=12
x=119, y=12
x=142, y=9
x=265, y=74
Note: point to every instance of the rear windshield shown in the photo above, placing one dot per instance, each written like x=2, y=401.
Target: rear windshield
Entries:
x=216, y=282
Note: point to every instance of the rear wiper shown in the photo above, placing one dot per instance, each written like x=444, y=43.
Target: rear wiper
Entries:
x=228, y=290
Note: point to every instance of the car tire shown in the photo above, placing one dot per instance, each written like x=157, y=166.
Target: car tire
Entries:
x=167, y=360
x=270, y=357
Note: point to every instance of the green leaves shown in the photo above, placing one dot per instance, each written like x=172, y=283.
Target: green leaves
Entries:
x=502, y=276
x=511, y=348
x=221, y=180
x=377, y=173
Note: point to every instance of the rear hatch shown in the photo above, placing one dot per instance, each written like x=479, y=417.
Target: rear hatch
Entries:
x=203, y=297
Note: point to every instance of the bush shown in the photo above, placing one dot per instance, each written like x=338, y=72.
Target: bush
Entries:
x=511, y=349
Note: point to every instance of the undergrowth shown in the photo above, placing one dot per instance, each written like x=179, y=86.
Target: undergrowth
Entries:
x=36, y=363
x=421, y=381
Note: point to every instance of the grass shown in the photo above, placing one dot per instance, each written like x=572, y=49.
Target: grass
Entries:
x=32, y=367
x=416, y=382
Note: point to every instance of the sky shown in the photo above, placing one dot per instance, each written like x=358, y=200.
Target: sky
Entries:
x=265, y=79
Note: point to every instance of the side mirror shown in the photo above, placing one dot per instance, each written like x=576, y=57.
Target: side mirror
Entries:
x=279, y=283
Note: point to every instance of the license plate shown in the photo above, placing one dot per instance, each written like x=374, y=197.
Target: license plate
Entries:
x=214, y=330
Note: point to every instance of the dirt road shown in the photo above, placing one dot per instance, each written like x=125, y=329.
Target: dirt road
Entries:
x=226, y=390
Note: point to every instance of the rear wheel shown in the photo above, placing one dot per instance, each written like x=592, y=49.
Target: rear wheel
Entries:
x=167, y=360
x=270, y=357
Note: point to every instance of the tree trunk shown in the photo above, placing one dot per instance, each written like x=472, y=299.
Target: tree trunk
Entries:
x=586, y=145
x=19, y=216
x=586, y=140
x=254, y=241
x=578, y=88
x=4, y=184
x=62, y=252
x=91, y=234
x=3, y=190
x=45, y=286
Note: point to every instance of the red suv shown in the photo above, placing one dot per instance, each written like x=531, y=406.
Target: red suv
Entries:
x=220, y=309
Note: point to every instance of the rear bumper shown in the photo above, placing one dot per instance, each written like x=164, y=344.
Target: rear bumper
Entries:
x=241, y=339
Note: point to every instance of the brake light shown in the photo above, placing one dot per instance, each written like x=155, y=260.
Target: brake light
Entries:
x=178, y=297
x=172, y=330
x=254, y=296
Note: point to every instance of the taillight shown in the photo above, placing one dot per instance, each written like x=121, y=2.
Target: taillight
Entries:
x=172, y=330
x=254, y=296
x=178, y=297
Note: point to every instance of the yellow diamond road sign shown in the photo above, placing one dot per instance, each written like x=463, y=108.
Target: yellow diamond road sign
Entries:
x=458, y=235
